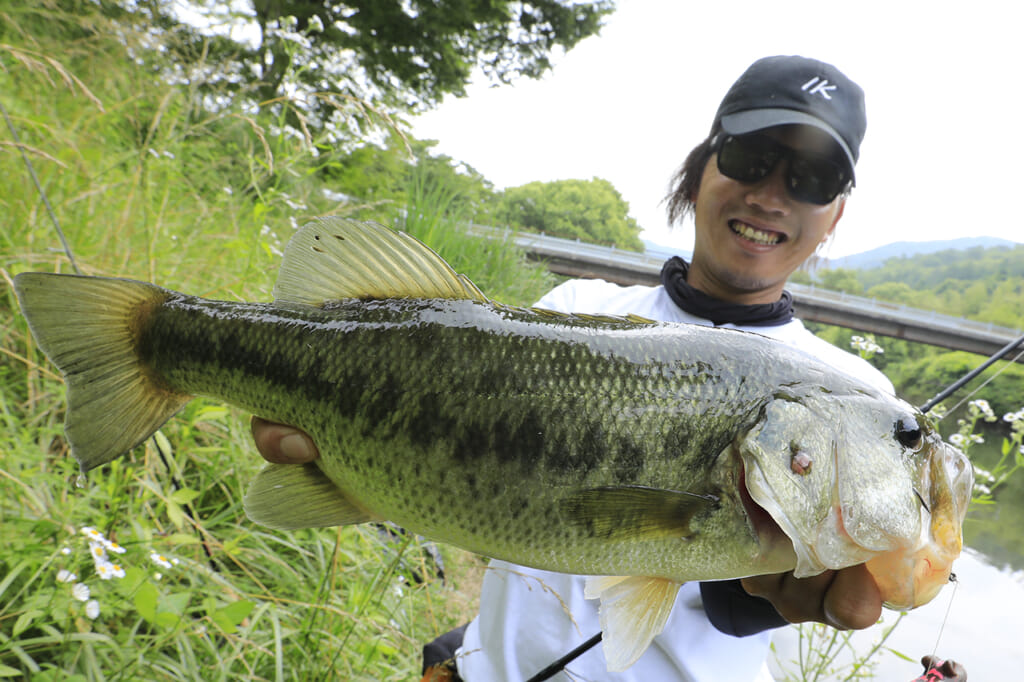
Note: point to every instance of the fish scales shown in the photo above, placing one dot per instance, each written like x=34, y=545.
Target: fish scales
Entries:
x=363, y=381
x=651, y=453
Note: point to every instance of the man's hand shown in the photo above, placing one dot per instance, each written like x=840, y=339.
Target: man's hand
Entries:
x=847, y=599
x=282, y=444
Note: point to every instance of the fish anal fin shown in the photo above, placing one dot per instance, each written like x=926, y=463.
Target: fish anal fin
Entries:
x=292, y=496
x=333, y=258
x=633, y=611
x=636, y=512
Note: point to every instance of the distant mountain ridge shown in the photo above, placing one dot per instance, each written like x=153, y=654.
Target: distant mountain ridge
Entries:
x=876, y=257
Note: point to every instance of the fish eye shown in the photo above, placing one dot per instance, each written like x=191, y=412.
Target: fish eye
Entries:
x=908, y=433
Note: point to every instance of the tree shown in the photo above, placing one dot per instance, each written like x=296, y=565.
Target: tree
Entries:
x=589, y=210
x=841, y=279
x=398, y=55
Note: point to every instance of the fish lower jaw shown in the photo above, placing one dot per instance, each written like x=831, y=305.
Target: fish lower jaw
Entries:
x=907, y=580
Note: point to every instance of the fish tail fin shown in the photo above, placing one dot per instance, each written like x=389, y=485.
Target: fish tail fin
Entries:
x=89, y=328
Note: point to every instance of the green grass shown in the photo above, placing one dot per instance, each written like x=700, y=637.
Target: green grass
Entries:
x=148, y=185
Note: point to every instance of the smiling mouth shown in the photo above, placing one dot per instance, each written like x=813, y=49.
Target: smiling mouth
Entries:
x=755, y=235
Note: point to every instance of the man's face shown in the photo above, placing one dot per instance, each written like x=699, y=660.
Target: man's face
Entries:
x=750, y=237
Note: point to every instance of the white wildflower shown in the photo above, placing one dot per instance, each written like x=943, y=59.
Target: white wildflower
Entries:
x=228, y=191
x=92, y=609
x=98, y=551
x=114, y=547
x=316, y=25
x=980, y=474
x=107, y=570
x=66, y=551
x=93, y=534
x=160, y=560
x=80, y=592
x=957, y=439
x=982, y=407
x=65, y=576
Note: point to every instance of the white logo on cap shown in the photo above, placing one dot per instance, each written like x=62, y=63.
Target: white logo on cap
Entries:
x=818, y=86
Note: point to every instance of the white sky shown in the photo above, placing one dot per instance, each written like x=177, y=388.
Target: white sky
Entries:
x=944, y=148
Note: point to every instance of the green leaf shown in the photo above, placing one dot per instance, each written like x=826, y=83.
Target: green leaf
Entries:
x=25, y=620
x=184, y=495
x=8, y=671
x=231, y=616
x=175, y=514
x=146, y=600
x=238, y=611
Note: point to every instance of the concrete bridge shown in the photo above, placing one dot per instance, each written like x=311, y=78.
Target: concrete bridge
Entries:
x=579, y=259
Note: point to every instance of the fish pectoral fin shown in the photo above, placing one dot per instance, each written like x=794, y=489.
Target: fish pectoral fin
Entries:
x=633, y=612
x=335, y=258
x=291, y=496
x=636, y=512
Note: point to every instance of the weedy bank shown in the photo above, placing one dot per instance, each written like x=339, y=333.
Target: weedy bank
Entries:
x=149, y=568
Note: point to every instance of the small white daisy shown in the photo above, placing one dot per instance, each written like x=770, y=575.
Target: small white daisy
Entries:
x=92, y=609
x=160, y=560
x=80, y=592
x=93, y=534
x=65, y=576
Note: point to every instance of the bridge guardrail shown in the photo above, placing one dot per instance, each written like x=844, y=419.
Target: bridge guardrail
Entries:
x=977, y=336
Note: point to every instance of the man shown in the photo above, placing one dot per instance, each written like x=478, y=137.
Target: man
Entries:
x=766, y=188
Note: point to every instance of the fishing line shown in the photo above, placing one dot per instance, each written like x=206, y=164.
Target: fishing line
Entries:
x=175, y=483
x=956, y=585
x=35, y=179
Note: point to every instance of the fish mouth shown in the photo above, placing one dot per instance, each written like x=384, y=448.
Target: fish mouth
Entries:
x=757, y=234
x=912, y=576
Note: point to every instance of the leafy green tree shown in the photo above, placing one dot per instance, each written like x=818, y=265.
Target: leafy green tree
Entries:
x=841, y=279
x=588, y=210
x=396, y=55
x=377, y=178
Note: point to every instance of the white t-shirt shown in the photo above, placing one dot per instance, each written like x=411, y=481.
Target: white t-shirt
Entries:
x=530, y=618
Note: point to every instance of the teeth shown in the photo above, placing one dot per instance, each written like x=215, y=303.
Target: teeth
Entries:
x=755, y=235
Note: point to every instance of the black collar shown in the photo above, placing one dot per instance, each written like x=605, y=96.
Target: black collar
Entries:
x=673, y=276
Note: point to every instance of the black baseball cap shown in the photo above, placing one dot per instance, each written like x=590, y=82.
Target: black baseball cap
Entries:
x=787, y=90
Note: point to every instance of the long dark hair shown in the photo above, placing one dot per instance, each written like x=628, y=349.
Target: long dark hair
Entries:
x=682, y=196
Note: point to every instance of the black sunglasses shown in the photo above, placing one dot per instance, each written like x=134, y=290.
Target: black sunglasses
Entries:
x=810, y=177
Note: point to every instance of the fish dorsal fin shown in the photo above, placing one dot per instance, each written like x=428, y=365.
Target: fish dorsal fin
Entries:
x=629, y=318
x=335, y=258
x=633, y=612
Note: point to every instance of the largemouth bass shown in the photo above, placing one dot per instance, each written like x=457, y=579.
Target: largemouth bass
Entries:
x=647, y=453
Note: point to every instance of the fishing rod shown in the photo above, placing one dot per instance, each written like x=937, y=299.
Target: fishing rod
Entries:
x=560, y=664
x=956, y=385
